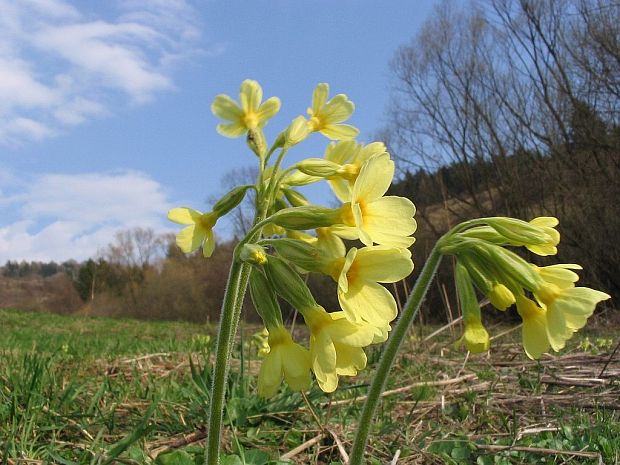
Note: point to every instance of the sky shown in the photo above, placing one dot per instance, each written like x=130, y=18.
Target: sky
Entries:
x=105, y=120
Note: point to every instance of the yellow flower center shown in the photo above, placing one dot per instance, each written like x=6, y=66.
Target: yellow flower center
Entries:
x=250, y=120
x=315, y=123
x=335, y=268
x=548, y=292
x=349, y=172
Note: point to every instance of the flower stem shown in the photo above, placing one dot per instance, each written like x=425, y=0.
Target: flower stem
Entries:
x=229, y=319
x=389, y=353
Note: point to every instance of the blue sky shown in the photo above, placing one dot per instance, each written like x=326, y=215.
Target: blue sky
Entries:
x=105, y=118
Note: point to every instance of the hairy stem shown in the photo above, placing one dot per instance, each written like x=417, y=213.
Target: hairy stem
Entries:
x=229, y=319
x=389, y=354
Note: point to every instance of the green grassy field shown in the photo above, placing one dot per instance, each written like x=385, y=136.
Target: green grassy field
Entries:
x=79, y=390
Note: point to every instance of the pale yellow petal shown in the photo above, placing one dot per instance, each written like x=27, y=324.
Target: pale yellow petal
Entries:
x=338, y=109
x=209, y=244
x=232, y=130
x=383, y=264
x=184, y=215
x=349, y=360
x=369, y=302
x=226, y=108
x=319, y=97
x=389, y=221
x=323, y=354
x=577, y=304
x=342, y=152
x=343, y=282
x=267, y=110
x=545, y=221
x=343, y=331
x=270, y=374
x=250, y=96
x=534, y=336
x=374, y=179
x=340, y=131
x=190, y=238
x=557, y=331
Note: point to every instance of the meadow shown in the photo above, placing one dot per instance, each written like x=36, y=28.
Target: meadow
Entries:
x=86, y=390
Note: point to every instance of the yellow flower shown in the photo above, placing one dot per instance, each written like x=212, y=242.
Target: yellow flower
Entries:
x=568, y=309
x=286, y=359
x=547, y=224
x=475, y=337
x=335, y=346
x=370, y=216
x=534, y=333
x=350, y=156
x=326, y=116
x=198, y=233
x=250, y=115
x=358, y=274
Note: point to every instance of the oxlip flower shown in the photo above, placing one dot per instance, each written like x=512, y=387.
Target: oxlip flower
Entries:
x=250, y=114
x=370, y=216
x=358, y=275
x=199, y=230
x=326, y=116
x=286, y=360
x=335, y=346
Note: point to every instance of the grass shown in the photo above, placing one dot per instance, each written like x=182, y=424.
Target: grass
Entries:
x=78, y=390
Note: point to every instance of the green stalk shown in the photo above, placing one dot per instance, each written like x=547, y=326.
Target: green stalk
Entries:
x=229, y=319
x=389, y=353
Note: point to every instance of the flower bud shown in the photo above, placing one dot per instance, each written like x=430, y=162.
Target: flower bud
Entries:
x=297, y=178
x=230, y=200
x=257, y=142
x=296, y=199
x=299, y=252
x=264, y=299
x=288, y=284
x=254, y=254
x=517, y=230
x=318, y=167
x=308, y=217
x=297, y=131
x=476, y=338
x=513, y=266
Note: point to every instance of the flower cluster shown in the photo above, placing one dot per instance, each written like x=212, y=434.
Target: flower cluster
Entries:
x=291, y=237
x=551, y=307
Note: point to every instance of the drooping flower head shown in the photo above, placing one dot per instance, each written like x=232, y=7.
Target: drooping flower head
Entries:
x=326, y=116
x=199, y=231
x=250, y=114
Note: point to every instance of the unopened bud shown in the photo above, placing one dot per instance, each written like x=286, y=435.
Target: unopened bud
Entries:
x=476, y=338
x=288, y=284
x=230, y=200
x=519, y=232
x=297, y=131
x=264, y=299
x=299, y=252
x=318, y=167
x=308, y=217
x=296, y=199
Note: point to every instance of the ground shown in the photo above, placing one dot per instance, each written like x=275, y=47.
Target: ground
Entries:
x=100, y=391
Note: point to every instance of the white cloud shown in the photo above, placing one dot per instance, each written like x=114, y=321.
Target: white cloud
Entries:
x=60, y=65
x=63, y=216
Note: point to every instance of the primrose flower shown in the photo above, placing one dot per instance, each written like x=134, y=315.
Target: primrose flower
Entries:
x=250, y=115
x=358, y=274
x=350, y=156
x=199, y=231
x=326, y=116
x=286, y=359
x=370, y=216
x=568, y=309
x=335, y=346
